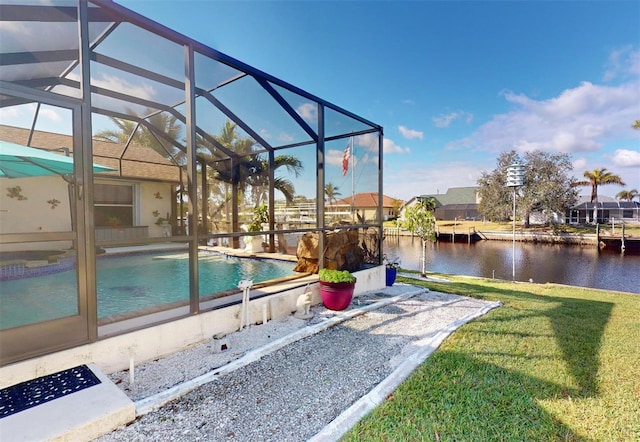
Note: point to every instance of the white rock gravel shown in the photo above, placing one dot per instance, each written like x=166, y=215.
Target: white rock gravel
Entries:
x=292, y=393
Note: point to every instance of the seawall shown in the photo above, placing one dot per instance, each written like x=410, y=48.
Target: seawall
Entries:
x=534, y=237
x=537, y=237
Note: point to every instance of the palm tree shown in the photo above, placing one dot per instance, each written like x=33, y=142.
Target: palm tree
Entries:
x=161, y=122
x=331, y=192
x=636, y=124
x=628, y=195
x=251, y=169
x=595, y=178
x=260, y=182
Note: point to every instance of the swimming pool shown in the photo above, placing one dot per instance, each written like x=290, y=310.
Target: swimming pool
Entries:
x=27, y=264
x=130, y=283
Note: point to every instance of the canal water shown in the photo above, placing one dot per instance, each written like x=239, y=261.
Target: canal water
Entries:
x=563, y=264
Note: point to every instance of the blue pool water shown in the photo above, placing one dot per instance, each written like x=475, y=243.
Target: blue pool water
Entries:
x=128, y=284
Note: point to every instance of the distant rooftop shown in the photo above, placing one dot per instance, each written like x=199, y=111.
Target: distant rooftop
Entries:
x=455, y=195
x=366, y=199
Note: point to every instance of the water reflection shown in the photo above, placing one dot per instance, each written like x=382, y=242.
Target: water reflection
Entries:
x=573, y=265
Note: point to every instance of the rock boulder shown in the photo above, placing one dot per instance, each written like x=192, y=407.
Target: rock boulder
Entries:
x=342, y=251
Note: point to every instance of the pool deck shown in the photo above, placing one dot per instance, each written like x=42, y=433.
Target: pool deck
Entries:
x=240, y=253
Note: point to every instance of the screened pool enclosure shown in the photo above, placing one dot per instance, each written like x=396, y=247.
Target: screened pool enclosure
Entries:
x=181, y=156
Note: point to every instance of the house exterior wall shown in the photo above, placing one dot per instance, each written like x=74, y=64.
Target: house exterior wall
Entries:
x=38, y=215
x=34, y=213
x=154, y=197
x=581, y=216
x=446, y=213
x=370, y=214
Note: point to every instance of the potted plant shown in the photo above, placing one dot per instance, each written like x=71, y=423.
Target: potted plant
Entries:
x=336, y=288
x=163, y=222
x=260, y=217
x=114, y=221
x=392, y=265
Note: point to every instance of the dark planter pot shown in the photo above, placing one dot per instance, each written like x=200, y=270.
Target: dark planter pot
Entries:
x=336, y=295
x=391, y=276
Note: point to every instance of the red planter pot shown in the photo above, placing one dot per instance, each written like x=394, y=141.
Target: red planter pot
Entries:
x=336, y=295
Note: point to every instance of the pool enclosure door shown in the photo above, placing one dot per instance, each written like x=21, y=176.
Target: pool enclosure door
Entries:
x=45, y=226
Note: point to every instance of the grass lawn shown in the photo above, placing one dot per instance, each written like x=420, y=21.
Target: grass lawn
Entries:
x=553, y=363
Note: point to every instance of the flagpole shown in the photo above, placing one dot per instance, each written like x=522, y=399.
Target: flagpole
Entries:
x=353, y=187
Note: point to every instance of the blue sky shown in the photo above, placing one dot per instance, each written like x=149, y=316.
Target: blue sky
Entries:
x=453, y=83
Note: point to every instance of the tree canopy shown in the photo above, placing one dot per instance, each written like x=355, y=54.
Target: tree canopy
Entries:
x=161, y=131
x=598, y=177
x=331, y=192
x=595, y=178
x=250, y=170
x=628, y=195
x=548, y=186
x=420, y=221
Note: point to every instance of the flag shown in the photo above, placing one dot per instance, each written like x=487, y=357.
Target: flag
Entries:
x=345, y=160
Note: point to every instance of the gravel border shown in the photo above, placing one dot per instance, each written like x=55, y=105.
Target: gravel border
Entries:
x=284, y=389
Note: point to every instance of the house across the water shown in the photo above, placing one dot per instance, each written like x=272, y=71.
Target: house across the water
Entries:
x=608, y=210
x=459, y=203
x=364, y=206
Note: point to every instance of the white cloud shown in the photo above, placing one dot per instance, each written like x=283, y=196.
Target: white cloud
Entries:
x=370, y=144
x=368, y=141
x=308, y=112
x=622, y=62
x=430, y=178
x=389, y=146
x=581, y=119
x=50, y=113
x=410, y=133
x=334, y=157
x=444, y=120
x=579, y=163
x=113, y=83
x=361, y=157
x=11, y=112
x=626, y=158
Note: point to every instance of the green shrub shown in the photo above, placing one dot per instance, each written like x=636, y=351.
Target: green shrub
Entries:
x=329, y=275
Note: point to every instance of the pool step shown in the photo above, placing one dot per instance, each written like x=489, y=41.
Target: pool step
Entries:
x=39, y=263
x=82, y=415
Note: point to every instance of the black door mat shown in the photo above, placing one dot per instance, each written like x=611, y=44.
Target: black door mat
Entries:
x=37, y=391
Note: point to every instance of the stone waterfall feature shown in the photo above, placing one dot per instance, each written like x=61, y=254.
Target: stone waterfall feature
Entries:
x=342, y=251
